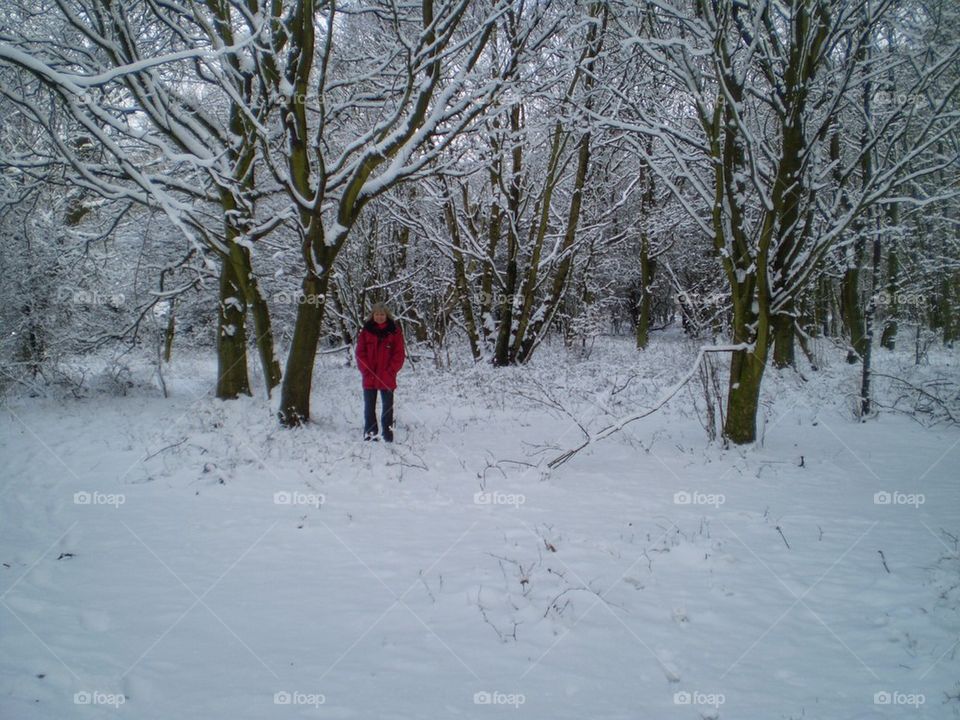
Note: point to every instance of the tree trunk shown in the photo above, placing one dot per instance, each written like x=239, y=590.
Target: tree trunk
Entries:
x=784, y=336
x=868, y=328
x=420, y=330
x=822, y=305
x=240, y=257
x=485, y=313
x=648, y=267
x=462, y=287
x=538, y=233
x=949, y=324
x=743, y=396
x=335, y=297
x=541, y=324
x=170, y=330
x=298, y=378
x=502, y=355
x=852, y=310
x=751, y=324
x=232, y=377
x=888, y=338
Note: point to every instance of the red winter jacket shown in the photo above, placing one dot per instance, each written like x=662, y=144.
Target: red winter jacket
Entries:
x=380, y=355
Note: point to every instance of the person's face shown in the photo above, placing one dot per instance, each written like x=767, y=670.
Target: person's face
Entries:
x=379, y=316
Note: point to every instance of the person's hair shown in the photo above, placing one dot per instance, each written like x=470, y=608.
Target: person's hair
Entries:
x=379, y=306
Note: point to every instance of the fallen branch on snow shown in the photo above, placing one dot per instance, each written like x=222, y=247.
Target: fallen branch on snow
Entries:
x=622, y=423
x=928, y=399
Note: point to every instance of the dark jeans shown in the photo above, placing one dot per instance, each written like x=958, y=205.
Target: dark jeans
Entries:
x=370, y=414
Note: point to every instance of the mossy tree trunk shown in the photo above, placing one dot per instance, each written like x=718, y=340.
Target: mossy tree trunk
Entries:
x=743, y=392
x=262, y=325
x=784, y=338
x=298, y=378
x=232, y=377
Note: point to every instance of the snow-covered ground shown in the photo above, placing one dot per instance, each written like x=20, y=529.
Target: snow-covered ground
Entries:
x=187, y=558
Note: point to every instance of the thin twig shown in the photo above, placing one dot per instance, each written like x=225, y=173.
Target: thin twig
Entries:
x=784, y=537
x=168, y=447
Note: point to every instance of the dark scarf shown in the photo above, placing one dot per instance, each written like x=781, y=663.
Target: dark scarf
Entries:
x=388, y=329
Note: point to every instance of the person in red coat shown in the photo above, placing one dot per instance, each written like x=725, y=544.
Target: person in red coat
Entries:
x=380, y=355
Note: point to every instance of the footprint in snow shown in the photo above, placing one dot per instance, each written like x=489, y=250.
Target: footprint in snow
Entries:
x=668, y=666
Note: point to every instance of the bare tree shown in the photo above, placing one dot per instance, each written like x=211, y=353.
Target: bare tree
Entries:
x=165, y=92
x=236, y=104
x=759, y=91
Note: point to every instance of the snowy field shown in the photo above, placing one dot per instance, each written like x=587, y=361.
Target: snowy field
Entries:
x=187, y=558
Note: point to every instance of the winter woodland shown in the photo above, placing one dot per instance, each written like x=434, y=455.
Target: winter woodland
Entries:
x=678, y=430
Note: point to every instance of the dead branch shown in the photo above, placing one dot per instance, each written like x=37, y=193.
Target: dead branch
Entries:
x=622, y=423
